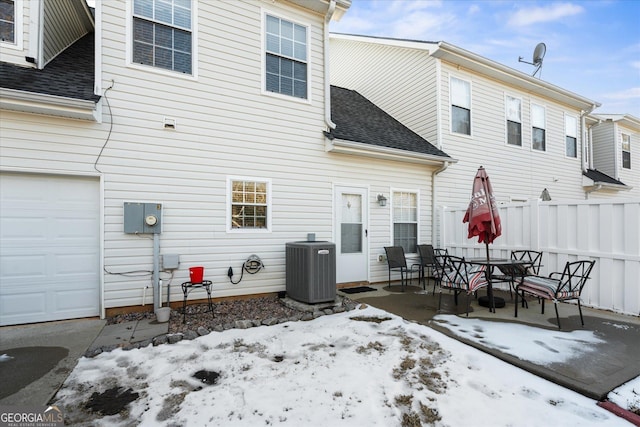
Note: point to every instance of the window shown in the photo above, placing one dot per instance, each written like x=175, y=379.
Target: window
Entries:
x=571, y=136
x=538, y=132
x=286, y=57
x=405, y=220
x=162, y=34
x=626, y=151
x=460, y=106
x=249, y=204
x=514, y=121
x=7, y=21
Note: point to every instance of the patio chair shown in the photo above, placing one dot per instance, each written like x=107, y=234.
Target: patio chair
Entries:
x=427, y=261
x=558, y=287
x=439, y=266
x=396, y=261
x=460, y=276
x=509, y=274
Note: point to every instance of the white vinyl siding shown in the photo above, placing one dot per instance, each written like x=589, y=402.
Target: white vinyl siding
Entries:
x=514, y=120
x=59, y=32
x=571, y=136
x=460, y=106
x=162, y=34
x=538, y=128
x=405, y=220
x=410, y=97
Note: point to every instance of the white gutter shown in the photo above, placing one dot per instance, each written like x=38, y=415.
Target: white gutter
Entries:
x=327, y=83
x=31, y=102
x=362, y=149
x=445, y=165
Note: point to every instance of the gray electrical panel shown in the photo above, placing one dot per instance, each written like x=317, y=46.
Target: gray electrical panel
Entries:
x=142, y=218
x=311, y=271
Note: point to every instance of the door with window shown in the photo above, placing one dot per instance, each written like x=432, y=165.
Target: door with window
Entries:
x=352, y=248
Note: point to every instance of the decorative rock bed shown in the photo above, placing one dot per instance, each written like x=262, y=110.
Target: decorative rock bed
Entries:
x=229, y=314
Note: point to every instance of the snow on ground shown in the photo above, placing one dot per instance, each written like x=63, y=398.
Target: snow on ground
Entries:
x=359, y=368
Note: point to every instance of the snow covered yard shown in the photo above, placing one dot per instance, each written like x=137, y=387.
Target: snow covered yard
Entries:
x=359, y=368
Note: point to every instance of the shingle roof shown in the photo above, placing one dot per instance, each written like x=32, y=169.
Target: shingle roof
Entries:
x=598, y=176
x=358, y=119
x=69, y=75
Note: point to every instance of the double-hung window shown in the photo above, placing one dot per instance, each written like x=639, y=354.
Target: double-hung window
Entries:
x=538, y=128
x=460, y=106
x=286, y=52
x=405, y=220
x=249, y=204
x=571, y=136
x=514, y=120
x=626, y=151
x=163, y=35
x=7, y=21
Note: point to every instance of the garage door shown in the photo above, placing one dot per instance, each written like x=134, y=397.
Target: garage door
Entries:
x=49, y=248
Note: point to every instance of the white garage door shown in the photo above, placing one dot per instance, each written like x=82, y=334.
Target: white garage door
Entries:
x=49, y=248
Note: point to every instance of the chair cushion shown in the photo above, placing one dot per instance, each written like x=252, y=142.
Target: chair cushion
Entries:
x=477, y=280
x=545, y=288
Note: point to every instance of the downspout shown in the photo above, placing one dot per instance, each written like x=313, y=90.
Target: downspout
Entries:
x=596, y=188
x=584, y=134
x=434, y=239
x=327, y=84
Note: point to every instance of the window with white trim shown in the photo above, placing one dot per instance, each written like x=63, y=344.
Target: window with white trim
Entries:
x=249, y=204
x=514, y=120
x=8, y=21
x=405, y=220
x=286, y=52
x=626, y=151
x=163, y=35
x=538, y=128
x=571, y=136
x=460, y=106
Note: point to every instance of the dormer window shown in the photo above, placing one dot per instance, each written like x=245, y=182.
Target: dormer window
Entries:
x=162, y=34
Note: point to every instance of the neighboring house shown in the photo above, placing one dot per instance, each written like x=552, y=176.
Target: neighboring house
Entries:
x=615, y=156
x=212, y=117
x=529, y=134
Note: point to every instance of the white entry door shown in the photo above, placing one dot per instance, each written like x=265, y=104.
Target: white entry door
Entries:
x=352, y=247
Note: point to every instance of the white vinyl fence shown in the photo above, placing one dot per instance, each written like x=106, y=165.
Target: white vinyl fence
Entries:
x=605, y=231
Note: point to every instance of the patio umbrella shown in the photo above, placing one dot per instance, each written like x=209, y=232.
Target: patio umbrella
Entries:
x=482, y=215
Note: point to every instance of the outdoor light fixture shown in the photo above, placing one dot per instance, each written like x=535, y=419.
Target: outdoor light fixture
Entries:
x=382, y=201
x=545, y=196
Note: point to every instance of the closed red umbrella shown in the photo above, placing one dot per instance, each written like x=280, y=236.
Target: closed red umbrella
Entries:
x=483, y=218
x=482, y=213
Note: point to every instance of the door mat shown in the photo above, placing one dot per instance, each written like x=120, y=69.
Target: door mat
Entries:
x=357, y=290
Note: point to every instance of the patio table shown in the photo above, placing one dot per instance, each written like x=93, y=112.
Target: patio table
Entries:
x=507, y=266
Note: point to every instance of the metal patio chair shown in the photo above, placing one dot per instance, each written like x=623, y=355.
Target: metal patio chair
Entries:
x=558, y=287
x=397, y=261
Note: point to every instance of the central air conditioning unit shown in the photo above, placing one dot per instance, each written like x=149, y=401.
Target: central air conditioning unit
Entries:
x=311, y=271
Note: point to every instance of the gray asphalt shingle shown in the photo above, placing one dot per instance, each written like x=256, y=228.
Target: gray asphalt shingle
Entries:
x=359, y=120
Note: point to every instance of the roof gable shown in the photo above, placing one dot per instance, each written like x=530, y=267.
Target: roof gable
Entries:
x=359, y=120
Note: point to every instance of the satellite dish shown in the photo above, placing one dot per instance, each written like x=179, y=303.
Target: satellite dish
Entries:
x=538, y=53
x=538, y=56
